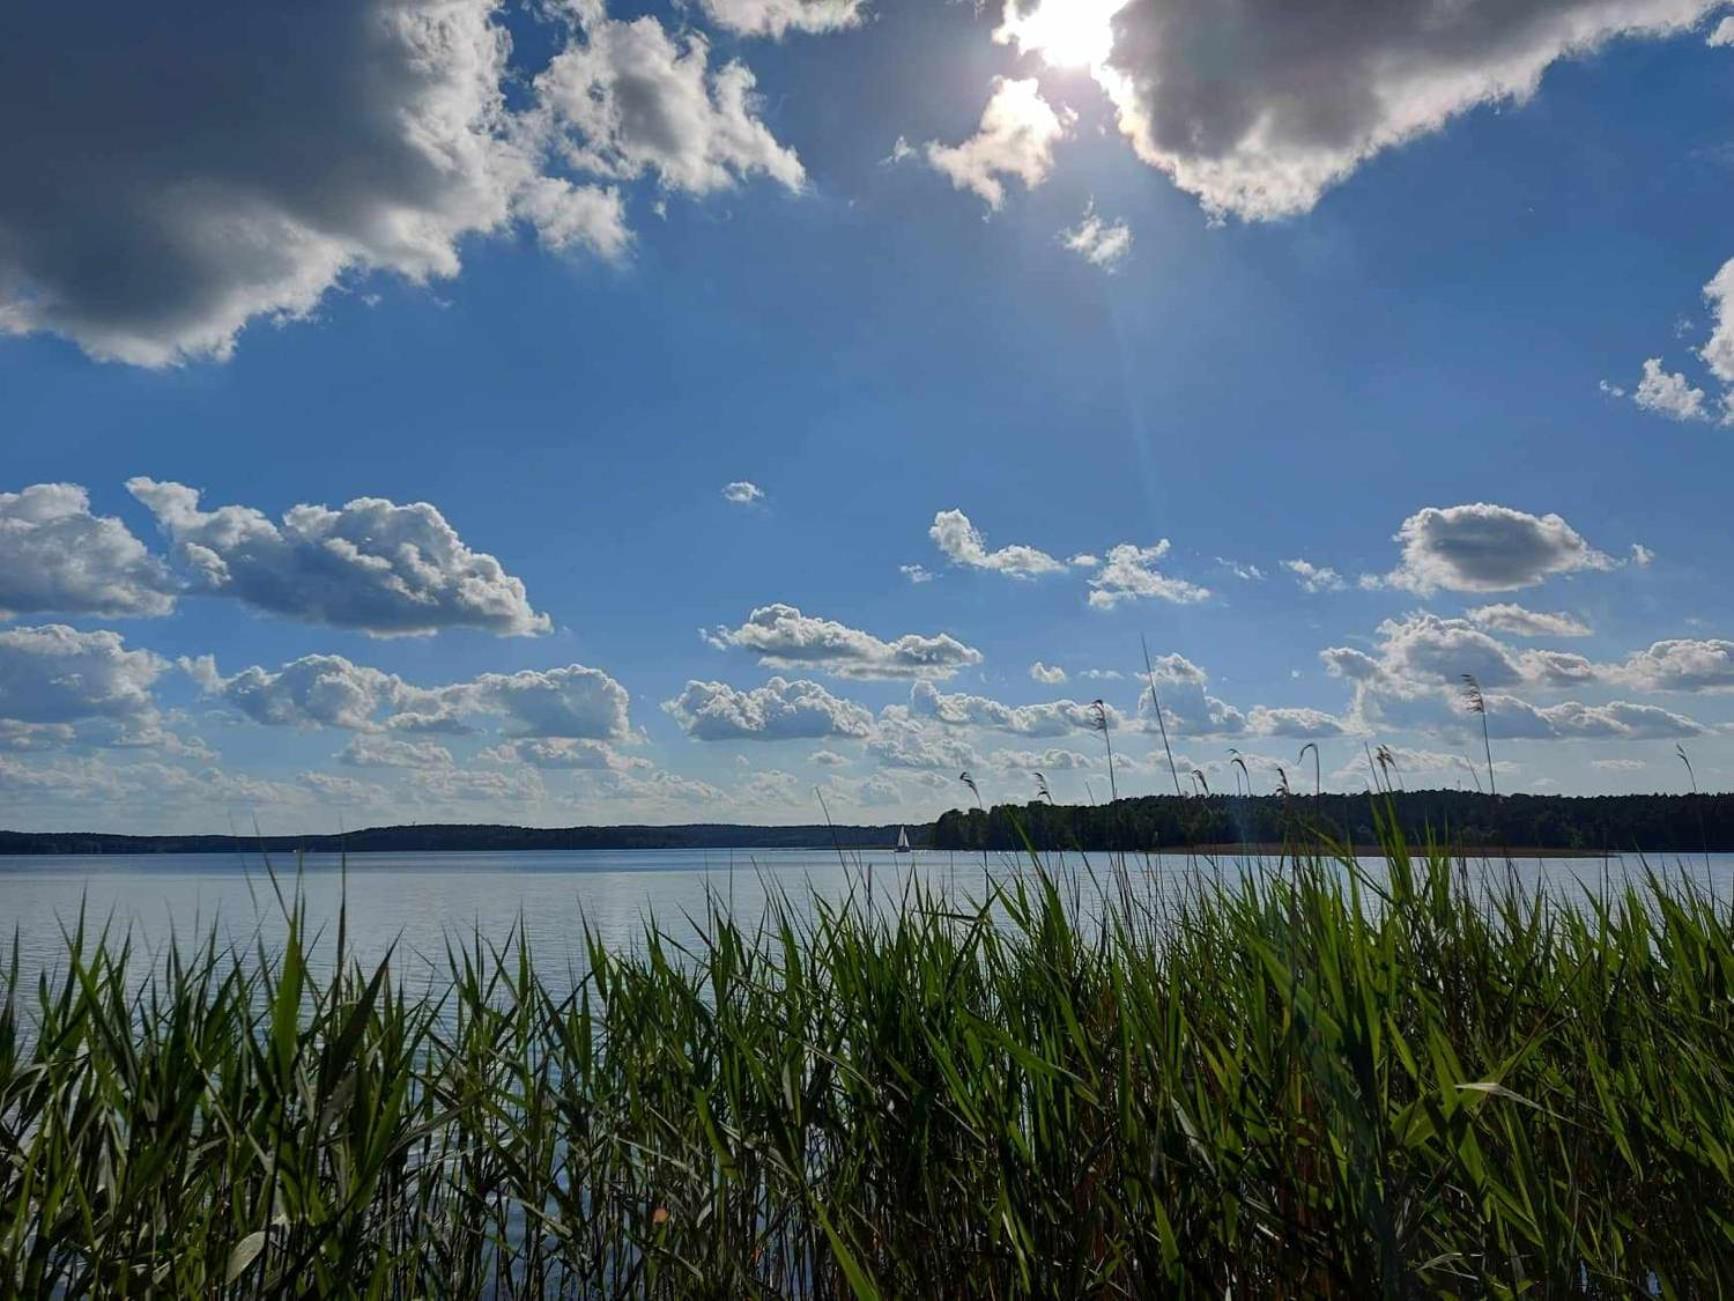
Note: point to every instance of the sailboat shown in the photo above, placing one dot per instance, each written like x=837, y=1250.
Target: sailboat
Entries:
x=903, y=840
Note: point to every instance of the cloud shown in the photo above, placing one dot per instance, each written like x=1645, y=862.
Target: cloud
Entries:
x=1100, y=243
x=657, y=787
x=1519, y=622
x=1016, y=138
x=901, y=741
x=1718, y=350
x=630, y=100
x=368, y=751
x=917, y=574
x=1047, y=674
x=1486, y=548
x=1299, y=722
x=827, y=759
x=1130, y=573
x=1245, y=572
x=1045, y=761
x=385, y=569
x=784, y=638
x=780, y=710
x=743, y=493
x=444, y=786
x=1259, y=108
x=1619, y=765
x=1684, y=665
x=56, y=556
x=201, y=176
x=331, y=691
x=56, y=675
x=1315, y=578
x=963, y=544
x=1050, y=718
x=775, y=18
x=560, y=752
x=313, y=691
x=1668, y=394
x=574, y=701
x=1619, y=720
x=1413, y=683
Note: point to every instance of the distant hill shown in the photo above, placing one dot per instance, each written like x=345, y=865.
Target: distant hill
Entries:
x=1683, y=824
x=434, y=838
x=1676, y=824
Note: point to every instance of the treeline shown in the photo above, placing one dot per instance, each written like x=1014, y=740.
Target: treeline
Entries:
x=470, y=838
x=1683, y=824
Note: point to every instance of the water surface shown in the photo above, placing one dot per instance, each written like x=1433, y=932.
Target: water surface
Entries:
x=418, y=901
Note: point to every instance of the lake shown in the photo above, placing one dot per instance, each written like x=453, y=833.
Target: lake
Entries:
x=419, y=900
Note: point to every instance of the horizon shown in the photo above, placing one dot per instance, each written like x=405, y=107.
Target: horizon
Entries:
x=1300, y=798
x=769, y=412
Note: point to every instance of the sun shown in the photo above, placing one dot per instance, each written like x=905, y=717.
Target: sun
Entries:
x=1066, y=33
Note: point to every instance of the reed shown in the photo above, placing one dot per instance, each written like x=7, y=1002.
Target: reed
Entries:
x=1322, y=1080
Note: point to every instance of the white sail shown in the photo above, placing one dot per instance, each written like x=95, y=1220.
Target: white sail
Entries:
x=903, y=840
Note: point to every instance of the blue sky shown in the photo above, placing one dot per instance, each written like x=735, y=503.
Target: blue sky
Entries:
x=1334, y=363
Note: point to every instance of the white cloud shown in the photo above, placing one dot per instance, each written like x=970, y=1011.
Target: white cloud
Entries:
x=574, y=701
x=1047, y=674
x=1686, y=665
x=484, y=787
x=743, y=493
x=1050, y=718
x=559, y=752
x=659, y=788
x=630, y=100
x=775, y=18
x=56, y=675
x=56, y=556
x=917, y=574
x=1016, y=138
x=370, y=751
x=1668, y=394
x=386, y=569
x=1044, y=761
x=1413, y=683
x=900, y=741
x=331, y=691
x=784, y=638
x=1520, y=622
x=827, y=759
x=1619, y=765
x=780, y=710
x=962, y=544
x=1718, y=351
x=1642, y=556
x=1315, y=578
x=1247, y=573
x=1617, y=720
x=1083, y=560
x=1100, y=243
x=1317, y=91
x=157, y=218
x=1485, y=548
x=1130, y=574
x=1300, y=722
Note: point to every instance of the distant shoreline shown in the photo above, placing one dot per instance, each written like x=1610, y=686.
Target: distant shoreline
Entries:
x=1526, y=826
x=473, y=838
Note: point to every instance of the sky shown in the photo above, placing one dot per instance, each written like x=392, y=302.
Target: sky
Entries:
x=758, y=410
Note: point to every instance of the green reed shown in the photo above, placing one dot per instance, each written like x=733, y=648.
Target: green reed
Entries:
x=1312, y=1081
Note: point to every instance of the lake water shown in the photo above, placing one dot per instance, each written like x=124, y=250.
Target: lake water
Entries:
x=417, y=901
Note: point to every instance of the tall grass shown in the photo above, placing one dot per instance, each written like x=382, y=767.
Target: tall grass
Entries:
x=1318, y=1081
